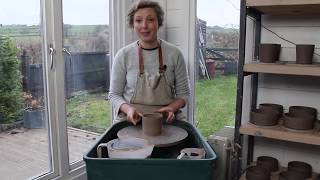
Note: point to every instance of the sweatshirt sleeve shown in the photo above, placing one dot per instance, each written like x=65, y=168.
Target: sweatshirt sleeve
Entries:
x=182, y=85
x=117, y=82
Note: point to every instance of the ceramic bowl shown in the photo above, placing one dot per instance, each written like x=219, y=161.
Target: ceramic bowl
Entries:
x=270, y=106
x=303, y=111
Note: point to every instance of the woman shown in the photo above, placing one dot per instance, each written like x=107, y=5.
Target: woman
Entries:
x=148, y=75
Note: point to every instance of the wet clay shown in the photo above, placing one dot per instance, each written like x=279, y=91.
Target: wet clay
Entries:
x=152, y=124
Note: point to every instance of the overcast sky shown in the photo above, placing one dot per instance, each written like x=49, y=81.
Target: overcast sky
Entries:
x=215, y=12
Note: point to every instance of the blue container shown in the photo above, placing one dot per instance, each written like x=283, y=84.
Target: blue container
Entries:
x=162, y=165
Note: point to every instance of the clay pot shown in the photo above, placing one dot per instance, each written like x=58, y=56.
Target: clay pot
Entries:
x=269, y=163
x=302, y=168
x=291, y=175
x=269, y=53
x=270, y=106
x=298, y=122
x=303, y=111
x=304, y=53
x=264, y=118
x=152, y=124
x=256, y=172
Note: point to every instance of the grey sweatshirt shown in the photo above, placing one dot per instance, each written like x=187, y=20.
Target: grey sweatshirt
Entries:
x=125, y=69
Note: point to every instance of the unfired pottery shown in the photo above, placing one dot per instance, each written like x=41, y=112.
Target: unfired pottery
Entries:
x=264, y=118
x=304, y=53
x=298, y=122
x=268, y=162
x=152, y=124
x=257, y=173
x=291, y=175
x=302, y=168
x=270, y=106
x=303, y=111
x=269, y=53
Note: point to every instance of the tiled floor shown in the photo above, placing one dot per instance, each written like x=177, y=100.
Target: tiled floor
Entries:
x=24, y=152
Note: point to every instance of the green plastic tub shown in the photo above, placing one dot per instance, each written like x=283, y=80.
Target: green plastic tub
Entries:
x=162, y=165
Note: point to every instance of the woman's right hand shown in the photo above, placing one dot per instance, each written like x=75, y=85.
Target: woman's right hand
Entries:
x=133, y=115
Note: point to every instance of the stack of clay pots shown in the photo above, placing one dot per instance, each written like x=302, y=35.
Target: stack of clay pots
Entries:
x=265, y=167
x=269, y=53
x=296, y=170
x=267, y=114
x=300, y=118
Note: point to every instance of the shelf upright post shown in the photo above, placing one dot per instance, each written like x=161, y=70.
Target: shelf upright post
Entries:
x=254, y=79
x=237, y=155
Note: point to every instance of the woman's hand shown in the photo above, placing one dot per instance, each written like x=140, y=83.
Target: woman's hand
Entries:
x=168, y=112
x=133, y=115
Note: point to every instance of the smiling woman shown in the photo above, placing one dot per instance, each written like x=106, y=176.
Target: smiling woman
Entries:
x=150, y=74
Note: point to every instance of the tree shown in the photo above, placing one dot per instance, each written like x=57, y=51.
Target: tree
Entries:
x=10, y=82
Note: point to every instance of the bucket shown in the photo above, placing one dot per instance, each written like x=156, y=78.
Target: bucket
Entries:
x=304, y=53
x=269, y=53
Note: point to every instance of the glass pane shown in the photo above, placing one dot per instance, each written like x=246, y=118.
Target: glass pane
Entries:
x=24, y=142
x=86, y=43
x=217, y=59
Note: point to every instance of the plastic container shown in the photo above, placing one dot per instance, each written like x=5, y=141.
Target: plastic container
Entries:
x=163, y=163
x=133, y=148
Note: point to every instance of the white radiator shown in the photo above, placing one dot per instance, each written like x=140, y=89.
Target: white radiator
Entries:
x=221, y=142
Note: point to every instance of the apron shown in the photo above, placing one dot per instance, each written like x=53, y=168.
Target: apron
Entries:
x=152, y=90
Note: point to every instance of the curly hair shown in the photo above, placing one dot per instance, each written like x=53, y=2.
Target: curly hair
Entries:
x=146, y=4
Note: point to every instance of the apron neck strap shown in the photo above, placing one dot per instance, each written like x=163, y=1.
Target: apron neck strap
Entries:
x=141, y=64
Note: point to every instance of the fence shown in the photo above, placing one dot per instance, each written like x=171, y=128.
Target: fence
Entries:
x=83, y=71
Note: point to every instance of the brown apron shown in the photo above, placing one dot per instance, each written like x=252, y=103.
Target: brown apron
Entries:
x=152, y=90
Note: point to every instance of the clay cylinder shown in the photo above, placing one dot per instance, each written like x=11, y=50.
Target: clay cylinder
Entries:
x=256, y=172
x=291, y=175
x=264, y=118
x=302, y=111
x=304, y=53
x=152, y=124
x=270, y=106
x=268, y=163
x=298, y=122
x=269, y=53
x=302, y=168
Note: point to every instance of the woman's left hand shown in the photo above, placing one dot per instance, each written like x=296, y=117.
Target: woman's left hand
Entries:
x=168, y=112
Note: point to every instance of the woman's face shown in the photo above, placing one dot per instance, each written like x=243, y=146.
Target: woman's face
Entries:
x=145, y=25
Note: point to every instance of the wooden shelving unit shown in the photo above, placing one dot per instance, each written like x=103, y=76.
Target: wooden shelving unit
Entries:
x=290, y=7
x=256, y=9
x=281, y=133
x=283, y=68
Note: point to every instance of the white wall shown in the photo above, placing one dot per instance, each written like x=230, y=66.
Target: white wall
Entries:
x=283, y=89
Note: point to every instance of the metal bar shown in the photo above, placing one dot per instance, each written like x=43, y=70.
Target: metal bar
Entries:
x=250, y=149
x=254, y=79
x=236, y=159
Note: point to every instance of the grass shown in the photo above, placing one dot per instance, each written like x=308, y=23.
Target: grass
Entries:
x=215, y=103
x=89, y=112
x=215, y=107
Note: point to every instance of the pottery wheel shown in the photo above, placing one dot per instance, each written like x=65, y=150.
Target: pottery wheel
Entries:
x=169, y=136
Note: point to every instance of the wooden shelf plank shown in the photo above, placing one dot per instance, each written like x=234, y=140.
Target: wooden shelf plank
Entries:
x=280, y=133
x=283, y=68
x=286, y=6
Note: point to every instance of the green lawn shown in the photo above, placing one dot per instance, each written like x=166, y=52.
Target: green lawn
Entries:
x=215, y=103
x=215, y=107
